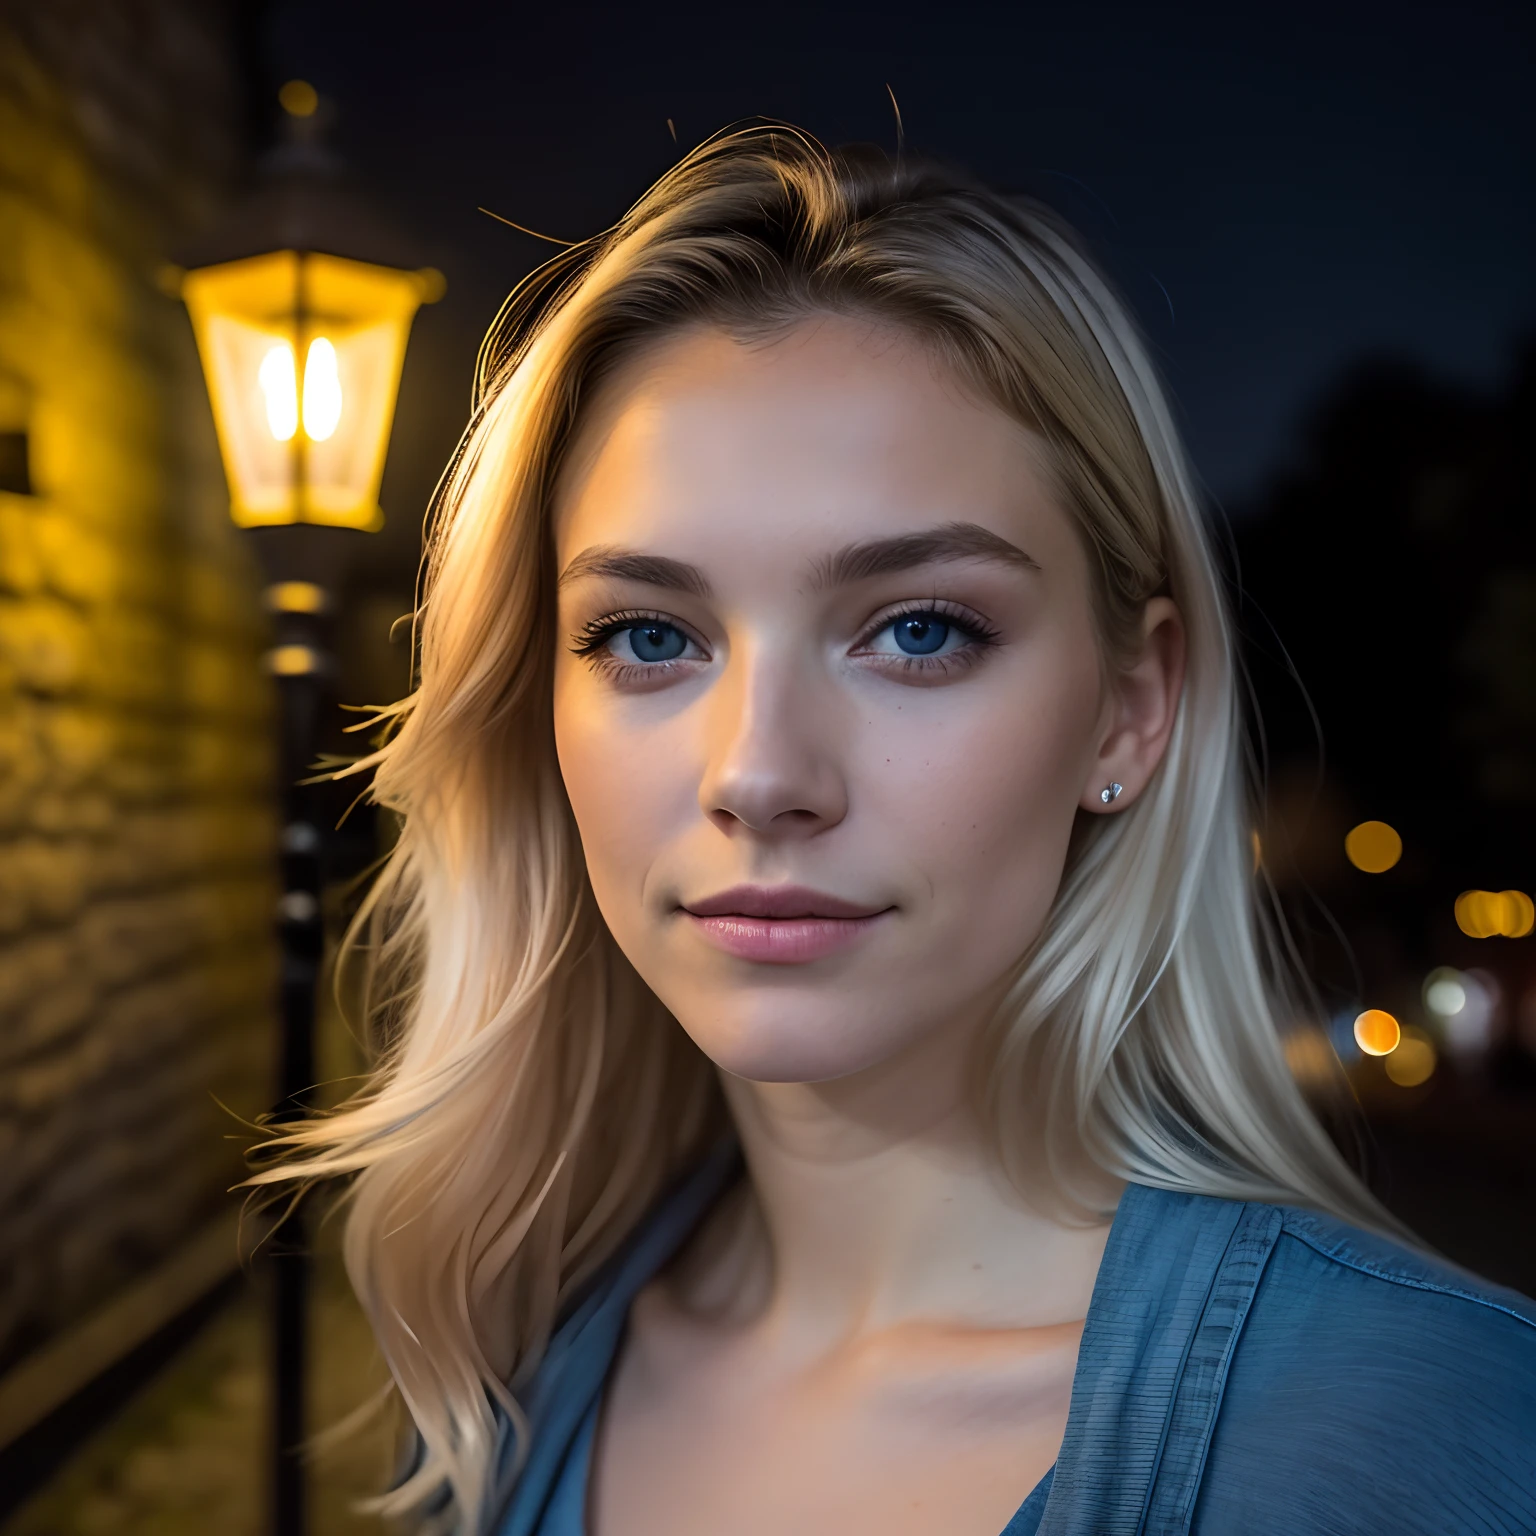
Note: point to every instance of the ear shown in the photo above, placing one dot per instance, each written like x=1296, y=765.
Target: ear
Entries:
x=1139, y=714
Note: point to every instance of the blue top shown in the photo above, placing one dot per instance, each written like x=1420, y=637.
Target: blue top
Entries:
x=1245, y=1370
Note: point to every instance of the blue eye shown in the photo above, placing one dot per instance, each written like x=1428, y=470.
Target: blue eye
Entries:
x=920, y=634
x=656, y=642
x=932, y=641
x=634, y=646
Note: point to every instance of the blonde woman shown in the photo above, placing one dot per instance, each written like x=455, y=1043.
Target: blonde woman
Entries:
x=830, y=1073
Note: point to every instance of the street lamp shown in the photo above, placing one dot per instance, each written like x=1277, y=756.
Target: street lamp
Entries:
x=301, y=304
x=304, y=443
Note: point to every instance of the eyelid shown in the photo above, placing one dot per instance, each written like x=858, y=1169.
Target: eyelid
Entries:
x=596, y=633
x=975, y=626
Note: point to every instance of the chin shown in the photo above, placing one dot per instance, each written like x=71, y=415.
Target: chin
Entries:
x=774, y=1040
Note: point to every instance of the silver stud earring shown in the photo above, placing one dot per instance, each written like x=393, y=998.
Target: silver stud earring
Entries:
x=1110, y=792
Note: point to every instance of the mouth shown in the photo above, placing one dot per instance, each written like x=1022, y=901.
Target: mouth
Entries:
x=780, y=925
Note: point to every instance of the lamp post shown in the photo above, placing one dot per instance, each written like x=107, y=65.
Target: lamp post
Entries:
x=301, y=305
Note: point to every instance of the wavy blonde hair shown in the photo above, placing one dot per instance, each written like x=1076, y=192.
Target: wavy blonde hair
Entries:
x=531, y=1097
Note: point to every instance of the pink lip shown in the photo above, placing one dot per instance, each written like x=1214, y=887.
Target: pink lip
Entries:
x=780, y=925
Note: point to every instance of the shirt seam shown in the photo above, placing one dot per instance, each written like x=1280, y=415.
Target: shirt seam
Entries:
x=1178, y=1378
x=1320, y=1246
x=1267, y=1239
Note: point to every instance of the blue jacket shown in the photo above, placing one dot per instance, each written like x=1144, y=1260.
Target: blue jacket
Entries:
x=1245, y=1370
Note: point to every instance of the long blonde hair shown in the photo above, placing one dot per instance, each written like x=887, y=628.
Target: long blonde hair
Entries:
x=531, y=1097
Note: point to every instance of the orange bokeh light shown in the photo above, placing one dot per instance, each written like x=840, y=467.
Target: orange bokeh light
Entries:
x=1377, y=1032
x=1413, y=1062
x=1492, y=914
x=1373, y=846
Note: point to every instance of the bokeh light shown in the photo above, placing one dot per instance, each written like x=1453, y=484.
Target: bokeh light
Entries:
x=1310, y=1056
x=1445, y=992
x=1413, y=1062
x=1494, y=914
x=1377, y=1032
x=299, y=98
x=1373, y=846
x=1462, y=1005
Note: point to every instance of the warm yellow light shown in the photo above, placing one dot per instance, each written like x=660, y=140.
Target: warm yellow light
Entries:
x=277, y=379
x=1489, y=914
x=296, y=597
x=1310, y=1057
x=293, y=660
x=1474, y=915
x=322, y=391
x=310, y=449
x=1373, y=846
x=299, y=98
x=280, y=390
x=1413, y=1062
x=1377, y=1032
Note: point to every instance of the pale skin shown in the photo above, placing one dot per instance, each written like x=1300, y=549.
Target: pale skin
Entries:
x=874, y=1332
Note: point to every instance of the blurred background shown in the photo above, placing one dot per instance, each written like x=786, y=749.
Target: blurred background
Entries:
x=1324, y=218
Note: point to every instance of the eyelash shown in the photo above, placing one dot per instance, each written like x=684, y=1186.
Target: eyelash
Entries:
x=980, y=635
x=590, y=640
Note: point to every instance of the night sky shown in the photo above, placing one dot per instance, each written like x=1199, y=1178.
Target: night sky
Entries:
x=1278, y=191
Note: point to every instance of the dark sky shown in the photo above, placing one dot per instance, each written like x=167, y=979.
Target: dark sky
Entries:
x=1278, y=190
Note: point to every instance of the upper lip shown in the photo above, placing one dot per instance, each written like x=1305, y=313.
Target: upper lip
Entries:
x=778, y=901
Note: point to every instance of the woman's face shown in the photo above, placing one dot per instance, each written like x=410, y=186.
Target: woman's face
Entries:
x=828, y=695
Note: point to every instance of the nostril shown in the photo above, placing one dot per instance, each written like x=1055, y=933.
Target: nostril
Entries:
x=767, y=776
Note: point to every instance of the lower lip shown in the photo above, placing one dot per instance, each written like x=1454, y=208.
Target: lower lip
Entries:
x=782, y=940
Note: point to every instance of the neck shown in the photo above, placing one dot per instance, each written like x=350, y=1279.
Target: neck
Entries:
x=875, y=1201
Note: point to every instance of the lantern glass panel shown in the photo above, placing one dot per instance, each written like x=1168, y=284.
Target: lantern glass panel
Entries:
x=303, y=353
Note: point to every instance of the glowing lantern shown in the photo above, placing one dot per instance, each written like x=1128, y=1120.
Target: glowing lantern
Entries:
x=304, y=444
x=301, y=306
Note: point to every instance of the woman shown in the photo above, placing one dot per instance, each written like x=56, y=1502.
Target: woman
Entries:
x=826, y=758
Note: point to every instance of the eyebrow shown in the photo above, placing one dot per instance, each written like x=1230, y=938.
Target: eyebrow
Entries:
x=631, y=565
x=853, y=562
x=881, y=557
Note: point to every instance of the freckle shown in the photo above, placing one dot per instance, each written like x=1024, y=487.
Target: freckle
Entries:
x=975, y=1266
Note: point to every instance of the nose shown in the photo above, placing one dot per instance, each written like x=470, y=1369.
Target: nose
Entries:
x=772, y=766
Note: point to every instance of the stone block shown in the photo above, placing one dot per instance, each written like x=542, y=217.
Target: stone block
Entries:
x=21, y=564
x=48, y=645
x=78, y=563
x=76, y=738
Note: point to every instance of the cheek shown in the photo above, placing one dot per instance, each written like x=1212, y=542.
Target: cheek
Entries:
x=987, y=805
x=626, y=776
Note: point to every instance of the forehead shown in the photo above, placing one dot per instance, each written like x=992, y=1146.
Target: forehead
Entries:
x=709, y=448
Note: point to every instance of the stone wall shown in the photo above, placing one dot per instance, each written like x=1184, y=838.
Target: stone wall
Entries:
x=136, y=963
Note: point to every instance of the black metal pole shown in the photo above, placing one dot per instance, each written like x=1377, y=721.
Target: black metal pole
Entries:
x=301, y=665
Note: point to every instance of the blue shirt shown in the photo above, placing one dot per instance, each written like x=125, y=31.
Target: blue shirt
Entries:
x=1245, y=1370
